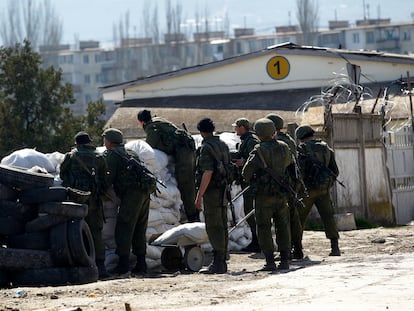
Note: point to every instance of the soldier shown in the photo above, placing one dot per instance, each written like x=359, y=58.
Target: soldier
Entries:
x=319, y=170
x=165, y=136
x=85, y=169
x=265, y=170
x=132, y=218
x=248, y=141
x=211, y=193
x=295, y=224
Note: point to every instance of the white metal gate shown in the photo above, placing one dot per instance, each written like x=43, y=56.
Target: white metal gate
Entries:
x=400, y=163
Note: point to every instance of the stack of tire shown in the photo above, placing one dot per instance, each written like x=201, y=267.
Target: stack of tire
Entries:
x=44, y=240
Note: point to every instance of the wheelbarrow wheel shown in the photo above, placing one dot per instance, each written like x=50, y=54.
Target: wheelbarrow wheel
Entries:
x=194, y=258
x=172, y=258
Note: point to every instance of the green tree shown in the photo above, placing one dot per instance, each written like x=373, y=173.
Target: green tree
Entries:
x=34, y=111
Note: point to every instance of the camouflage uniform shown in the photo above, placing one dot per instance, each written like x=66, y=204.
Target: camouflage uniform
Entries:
x=295, y=223
x=271, y=197
x=215, y=210
x=132, y=218
x=319, y=177
x=161, y=135
x=248, y=141
x=84, y=169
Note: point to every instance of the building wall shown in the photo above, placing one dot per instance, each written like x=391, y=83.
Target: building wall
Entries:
x=131, y=62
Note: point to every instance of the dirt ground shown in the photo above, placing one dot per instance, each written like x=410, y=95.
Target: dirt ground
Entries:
x=373, y=273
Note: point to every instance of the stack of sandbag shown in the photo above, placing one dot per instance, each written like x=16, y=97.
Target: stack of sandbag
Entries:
x=165, y=205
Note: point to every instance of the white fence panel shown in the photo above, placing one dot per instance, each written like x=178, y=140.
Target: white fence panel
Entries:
x=400, y=162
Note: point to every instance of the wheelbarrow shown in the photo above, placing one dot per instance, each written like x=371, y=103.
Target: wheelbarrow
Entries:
x=182, y=247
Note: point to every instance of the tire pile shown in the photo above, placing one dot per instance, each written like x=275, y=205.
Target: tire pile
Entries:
x=44, y=240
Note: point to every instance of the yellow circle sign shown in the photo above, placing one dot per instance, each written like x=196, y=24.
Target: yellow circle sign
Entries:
x=278, y=67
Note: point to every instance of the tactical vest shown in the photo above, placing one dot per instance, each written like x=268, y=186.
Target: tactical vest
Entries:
x=225, y=171
x=171, y=137
x=83, y=169
x=277, y=157
x=131, y=174
x=314, y=157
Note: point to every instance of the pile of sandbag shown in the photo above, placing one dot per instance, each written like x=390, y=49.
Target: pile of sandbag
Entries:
x=166, y=208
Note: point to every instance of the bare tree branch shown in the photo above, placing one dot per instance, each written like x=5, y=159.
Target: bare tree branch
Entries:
x=308, y=18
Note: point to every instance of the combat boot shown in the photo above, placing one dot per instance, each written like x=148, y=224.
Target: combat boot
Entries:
x=270, y=262
x=102, y=273
x=334, y=248
x=122, y=267
x=218, y=266
x=297, y=252
x=284, y=261
x=194, y=217
x=140, y=266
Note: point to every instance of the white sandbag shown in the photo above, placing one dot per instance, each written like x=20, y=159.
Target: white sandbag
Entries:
x=206, y=247
x=154, y=252
x=152, y=263
x=161, y=160
x=155, y=218
x=186, y=234
x=170, y=216
x=145, y=153
x=242, y=242
x=150, y=233
x=231, y=140
x=29, y=158
x=56, y=158
x=236, y=234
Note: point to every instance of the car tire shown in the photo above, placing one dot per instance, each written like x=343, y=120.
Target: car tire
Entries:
x=8, y=193
x=17, y=210
x=55, y=276
x=45, y=222
x=10, y=225
x=69, y=209
x=43, y=195
x=34, y=240
x=22, y=178
x=81, y=243
x=59, y=246
x=18, y=259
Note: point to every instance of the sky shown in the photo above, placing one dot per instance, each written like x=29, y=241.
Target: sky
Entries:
x=95, y=19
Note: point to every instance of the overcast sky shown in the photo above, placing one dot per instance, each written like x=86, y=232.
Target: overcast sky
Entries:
x=94, y=19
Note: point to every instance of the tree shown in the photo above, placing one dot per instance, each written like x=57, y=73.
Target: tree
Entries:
x=33, y=105
x=308, y=18
x=30, y=20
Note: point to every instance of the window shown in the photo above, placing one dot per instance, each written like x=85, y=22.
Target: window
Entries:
x=406, y=35
x=355, y=37
x=88, y=98
x=86, y=59
x=98, y=78
x=97, y=58
x=239, y=48
x=87, y=79
x=370, y=37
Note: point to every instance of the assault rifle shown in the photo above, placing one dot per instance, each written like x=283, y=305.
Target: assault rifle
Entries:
x=275, y=176
x=319, y=165
x=139, y=166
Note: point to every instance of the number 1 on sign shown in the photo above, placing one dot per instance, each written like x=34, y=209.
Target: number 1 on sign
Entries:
x=278, y=67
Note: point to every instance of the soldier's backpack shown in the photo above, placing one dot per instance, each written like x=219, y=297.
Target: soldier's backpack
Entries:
x=313, y=160
x=172, y=137
x=225, y=171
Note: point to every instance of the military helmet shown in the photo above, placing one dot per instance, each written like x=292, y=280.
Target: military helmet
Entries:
x=304, y=131
x=82, y=138
x=264, y=127
x=276, y=119
x=113, y=135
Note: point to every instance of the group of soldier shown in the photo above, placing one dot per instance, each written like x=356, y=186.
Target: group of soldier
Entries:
x=280, y=182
